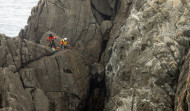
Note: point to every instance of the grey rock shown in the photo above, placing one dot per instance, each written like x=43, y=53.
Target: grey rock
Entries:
x=29, y=78
x=77, y=20
x=102, y=6
x=145, y=57
x=71, y=20
x=41, y=100
x=112, y=3
x=147, y=45
x=182, y=88
x=105, y=26
x=97, y=71
x=35, y=78
x=8, y=109
x=98, y=16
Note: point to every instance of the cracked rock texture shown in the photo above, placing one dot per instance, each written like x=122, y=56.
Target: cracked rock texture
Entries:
x=78, y=20
x=125, y=55
x=33, y=78
x=49, y=81
x=144, y=56
x=182, y=99
x=67, y=18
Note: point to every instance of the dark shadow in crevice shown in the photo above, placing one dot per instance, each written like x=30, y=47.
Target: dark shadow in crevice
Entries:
x=67, y=71
x=52, y=106
x=1, y=101
x=104, y=45
x=104, y=16
x=96, y=95
x=117, y=7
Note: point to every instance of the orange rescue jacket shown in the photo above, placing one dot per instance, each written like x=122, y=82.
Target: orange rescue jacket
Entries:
x=51, y=39
x=64, y=42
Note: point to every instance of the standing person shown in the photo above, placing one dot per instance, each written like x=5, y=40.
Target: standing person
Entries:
x=64, y=43
x=51, y=40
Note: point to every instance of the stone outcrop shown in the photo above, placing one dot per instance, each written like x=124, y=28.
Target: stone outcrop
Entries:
x=144, y=55
x=80, y=21
x=125, y=55
x=44, y=78
x=72, y=19
x=182, y=96
x=34, y=78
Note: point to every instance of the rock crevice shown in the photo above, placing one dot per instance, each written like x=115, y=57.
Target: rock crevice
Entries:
x=125, y=55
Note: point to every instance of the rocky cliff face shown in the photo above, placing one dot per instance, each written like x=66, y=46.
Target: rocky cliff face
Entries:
x=85, y=23
x=126, y=55
x=182, y=93
x=33, y=78
x=145, y=56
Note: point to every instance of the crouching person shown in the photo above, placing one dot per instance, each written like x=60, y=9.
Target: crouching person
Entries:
x=64, y=43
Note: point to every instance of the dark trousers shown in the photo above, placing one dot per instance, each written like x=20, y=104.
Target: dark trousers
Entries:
x=64, y=46
x=52, y=44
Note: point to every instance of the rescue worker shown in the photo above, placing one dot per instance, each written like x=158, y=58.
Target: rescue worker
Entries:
x=64, y=43
x=51, y=40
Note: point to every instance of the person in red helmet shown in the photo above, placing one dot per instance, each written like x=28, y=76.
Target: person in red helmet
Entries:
x=51, y=40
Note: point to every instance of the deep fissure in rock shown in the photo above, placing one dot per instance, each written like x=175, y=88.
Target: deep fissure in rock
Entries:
x=52, y=106
x=33, y=99
x=1, y=101
x=185, y=106
x=106, y=17
x=96, y=95
x=104, y=45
